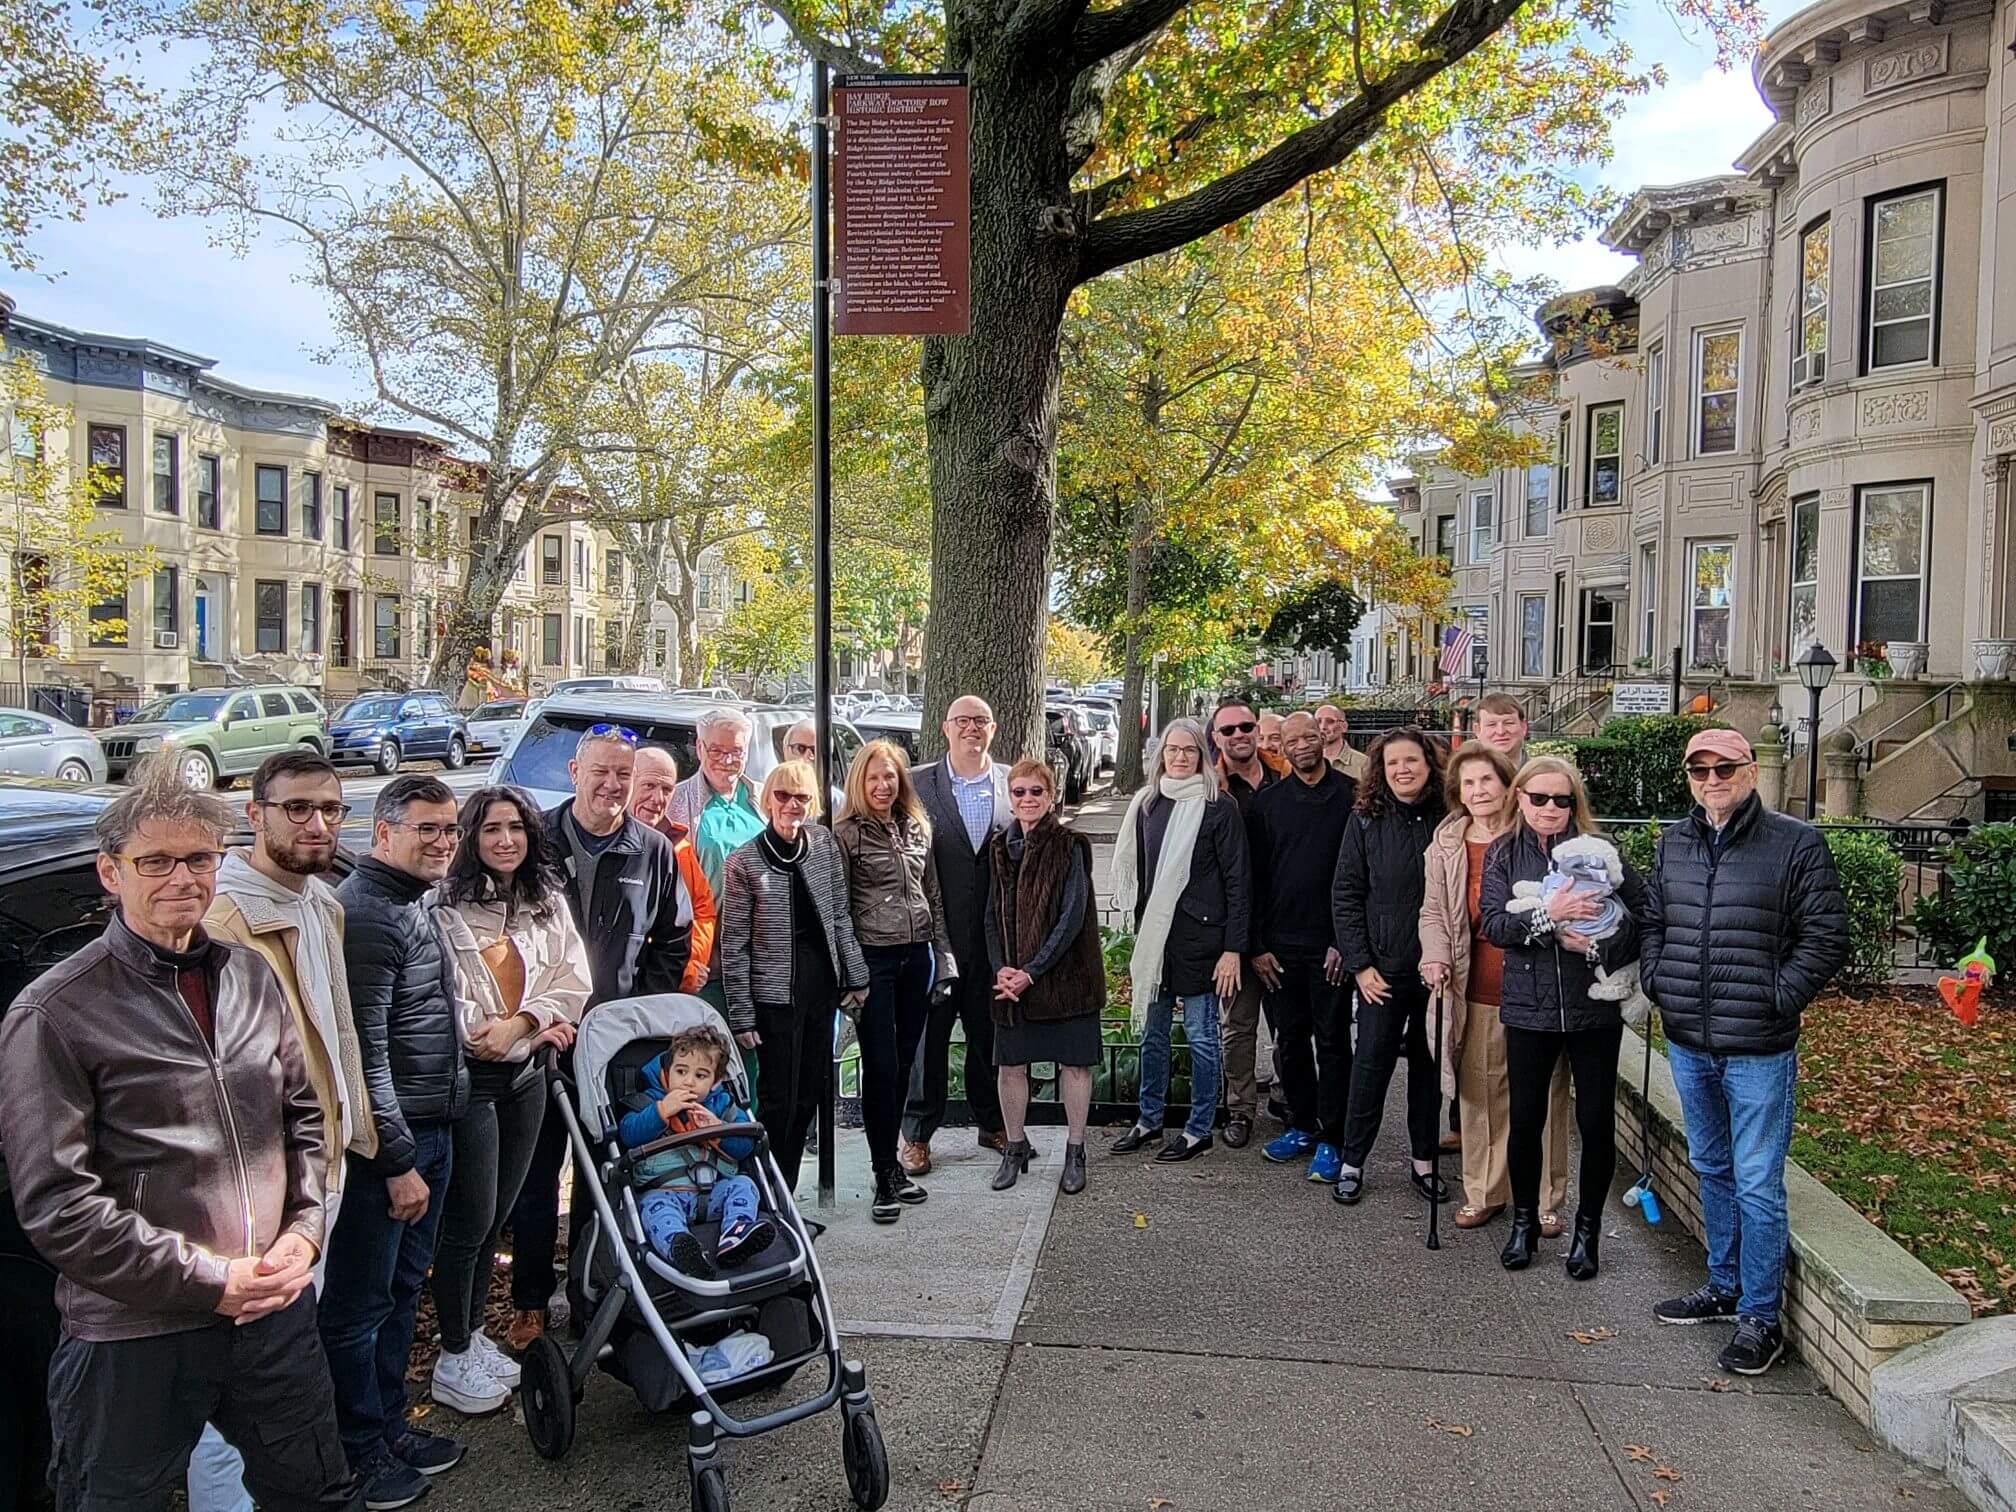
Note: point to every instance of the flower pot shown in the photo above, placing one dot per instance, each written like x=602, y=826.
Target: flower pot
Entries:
x=1993, y=659
x=1907, y=658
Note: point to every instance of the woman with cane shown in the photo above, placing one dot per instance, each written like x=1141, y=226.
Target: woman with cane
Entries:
x=1546, y=1008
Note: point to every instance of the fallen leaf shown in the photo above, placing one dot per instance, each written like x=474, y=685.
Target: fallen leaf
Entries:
x=1666, y=1473
x=1140, y=1220
x=1638, y=1451
x=1662, y=1497
x=1459, y=1430
x=1591, y=1335
x=1717, y=1383
x=951, y=1487
x=418, y=1411
x=1157, y=1503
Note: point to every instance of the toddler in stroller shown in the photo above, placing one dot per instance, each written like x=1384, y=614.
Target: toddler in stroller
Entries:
x=686, y=1089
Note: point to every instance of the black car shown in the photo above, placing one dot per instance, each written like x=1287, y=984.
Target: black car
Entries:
x=51, y=905
x=1066, y=756
x=1081, y=747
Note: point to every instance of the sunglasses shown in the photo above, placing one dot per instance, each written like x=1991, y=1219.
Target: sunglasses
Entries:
x=796, y=800
x=800, y=747
x=613, y=732
x=1243, y=727
x=1035, y=791
x=1722, y=770
x=1556, y=800
x=200, y=863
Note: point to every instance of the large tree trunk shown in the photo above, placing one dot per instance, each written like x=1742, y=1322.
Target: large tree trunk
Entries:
x=990, y=411
x=473, y=608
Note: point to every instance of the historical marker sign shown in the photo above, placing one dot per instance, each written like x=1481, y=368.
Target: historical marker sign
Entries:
x=1641, y=698
x=902, y=205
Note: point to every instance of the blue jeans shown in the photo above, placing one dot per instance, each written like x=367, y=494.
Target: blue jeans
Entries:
x=377, y=1266
x=1200, y=1027
x=667, y=1214
x=1739, y=1128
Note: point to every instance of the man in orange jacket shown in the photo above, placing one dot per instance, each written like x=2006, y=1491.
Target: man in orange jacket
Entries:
x=657, y=774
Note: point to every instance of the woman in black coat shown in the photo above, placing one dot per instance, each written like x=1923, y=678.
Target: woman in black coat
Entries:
x=1376, y=898
x=1546, y=1009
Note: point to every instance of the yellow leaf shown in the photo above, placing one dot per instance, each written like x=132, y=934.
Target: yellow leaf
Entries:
x=1140, y=1220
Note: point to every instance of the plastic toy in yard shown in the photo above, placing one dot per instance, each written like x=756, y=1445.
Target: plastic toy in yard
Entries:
x=1963, y=992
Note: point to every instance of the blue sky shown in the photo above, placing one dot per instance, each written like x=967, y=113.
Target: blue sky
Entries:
x=123, y=270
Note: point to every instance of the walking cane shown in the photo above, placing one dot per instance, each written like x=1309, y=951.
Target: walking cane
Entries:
x=1435, y=1182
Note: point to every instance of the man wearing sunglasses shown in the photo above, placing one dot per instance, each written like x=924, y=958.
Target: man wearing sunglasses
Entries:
x=166, y=1154
x=1246, y=770
x=1744, y=926
x=272, y=900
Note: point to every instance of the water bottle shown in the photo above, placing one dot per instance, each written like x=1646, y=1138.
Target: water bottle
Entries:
x=1648, y=1204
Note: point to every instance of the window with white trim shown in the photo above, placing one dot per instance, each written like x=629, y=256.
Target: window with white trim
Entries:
x=1655, y=403
x=1802, y=597
x=1648, y=599
x=1718, y=393
x=1539, y=487
x=1606, y=453
x=1891, y=522
x=1532, y=635
x=1809, y=337
x=1903, y=278
x=1483, y=525
x=1711, y=579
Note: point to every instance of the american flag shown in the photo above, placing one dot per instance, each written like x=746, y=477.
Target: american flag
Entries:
x=1456, y=643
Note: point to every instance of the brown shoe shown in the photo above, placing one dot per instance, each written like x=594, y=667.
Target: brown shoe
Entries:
x=1452, y=1140
x=914, y=1157
x=1468, y=1217
x=1550, y=1225
x=527, y=1324
x=998, y=1140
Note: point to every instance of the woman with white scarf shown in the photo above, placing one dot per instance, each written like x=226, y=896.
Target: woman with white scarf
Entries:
x=1181, y=861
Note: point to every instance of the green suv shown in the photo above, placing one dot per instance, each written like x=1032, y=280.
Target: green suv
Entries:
x=217, y=734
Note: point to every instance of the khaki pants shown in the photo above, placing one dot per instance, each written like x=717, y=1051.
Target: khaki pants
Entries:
x=1482, y=1091
x=1239, y=1030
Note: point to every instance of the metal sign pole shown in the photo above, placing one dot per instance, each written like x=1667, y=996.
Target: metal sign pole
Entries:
x=822, y=537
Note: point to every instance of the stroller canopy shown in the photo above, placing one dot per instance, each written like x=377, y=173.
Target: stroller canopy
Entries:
x=610, y=1026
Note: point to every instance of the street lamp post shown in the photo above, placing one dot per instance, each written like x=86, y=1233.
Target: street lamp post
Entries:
x=1816, y=669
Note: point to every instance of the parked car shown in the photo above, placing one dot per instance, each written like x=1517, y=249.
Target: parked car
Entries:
x=50, y=907
x=492, y=726
x=1062, y=751
x=903, y=727
x=41, y=745
x=714, y=694
x=1105, y=724
x=537, y=757
x=219, y=734
x=381, y=730
x=626, y=682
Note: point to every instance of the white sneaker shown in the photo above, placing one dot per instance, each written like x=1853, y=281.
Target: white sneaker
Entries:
x=503, y=1369
x=461, y=1381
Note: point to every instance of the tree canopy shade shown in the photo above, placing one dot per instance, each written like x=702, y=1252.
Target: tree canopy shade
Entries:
x=1103, y=135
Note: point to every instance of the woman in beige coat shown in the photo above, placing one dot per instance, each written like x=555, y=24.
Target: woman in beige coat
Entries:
x=1478, y=793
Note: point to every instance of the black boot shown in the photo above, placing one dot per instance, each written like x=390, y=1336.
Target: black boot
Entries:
x=1582, y=1253
x=1522, y=1241
x=1014, y=1161
x=1073, y=1180
x=887, y=1206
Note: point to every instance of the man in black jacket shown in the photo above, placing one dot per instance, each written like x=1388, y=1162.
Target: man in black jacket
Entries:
x=1744, y=925
x=1294, y=829
x=402, y=995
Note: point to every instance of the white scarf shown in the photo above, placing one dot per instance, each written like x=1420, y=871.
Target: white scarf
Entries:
x=1172, y=875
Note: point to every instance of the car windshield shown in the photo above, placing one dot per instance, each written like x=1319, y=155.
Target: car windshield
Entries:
x=540, y=758
x=499, y=711
x=182, y=708
x=369, y=708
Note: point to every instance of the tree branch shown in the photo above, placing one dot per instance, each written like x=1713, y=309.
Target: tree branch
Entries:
x=1102, y=33
x=836, y=55
x=1121, y=239
x=1040, y=24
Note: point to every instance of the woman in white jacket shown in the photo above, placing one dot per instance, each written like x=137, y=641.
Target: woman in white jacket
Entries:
x=521, y=981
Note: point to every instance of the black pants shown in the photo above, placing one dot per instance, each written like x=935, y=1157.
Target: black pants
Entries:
x=1311, y=1021
x=1530, y=1055
x=535, y=1216
x=1386, y=1031
x=793, y=1065
x=971, y=1004
x=889, y=1028
x=494, y=1143
x=126, y=1414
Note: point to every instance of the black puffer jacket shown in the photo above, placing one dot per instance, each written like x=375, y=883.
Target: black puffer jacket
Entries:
x=1737, y=941
x=1381, y=880
x=1545, y=987
x=402, y=995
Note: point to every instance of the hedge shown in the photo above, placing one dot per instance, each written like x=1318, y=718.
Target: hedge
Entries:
x=1976, y=897
x=1632, y=765
x=1871, y=873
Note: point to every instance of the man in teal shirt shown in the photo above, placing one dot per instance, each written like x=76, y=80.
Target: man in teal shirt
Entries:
x=718, y=804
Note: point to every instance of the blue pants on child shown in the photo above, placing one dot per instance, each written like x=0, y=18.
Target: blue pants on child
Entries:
x=668, y=1213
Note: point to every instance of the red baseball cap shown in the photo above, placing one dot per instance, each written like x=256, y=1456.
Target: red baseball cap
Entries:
x=1730, y=745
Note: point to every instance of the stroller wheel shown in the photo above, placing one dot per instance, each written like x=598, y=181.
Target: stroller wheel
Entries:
x=710, y=1490
x=867, y=1461
x=546, y=1388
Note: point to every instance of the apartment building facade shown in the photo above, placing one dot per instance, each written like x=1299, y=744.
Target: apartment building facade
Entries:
x=290, y=543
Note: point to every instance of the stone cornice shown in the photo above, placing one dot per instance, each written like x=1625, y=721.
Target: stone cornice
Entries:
x=1649, y=212
x=1809, y=46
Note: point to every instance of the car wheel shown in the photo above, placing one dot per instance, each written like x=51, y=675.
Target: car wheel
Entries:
x=73, y=771
x=387, y=762
x=199, y=772
x=458, y=754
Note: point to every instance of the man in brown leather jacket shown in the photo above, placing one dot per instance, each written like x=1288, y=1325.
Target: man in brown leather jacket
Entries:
x=165, y=1151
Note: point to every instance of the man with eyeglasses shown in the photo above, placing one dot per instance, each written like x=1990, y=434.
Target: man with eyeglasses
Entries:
x=402, y=997
x=272, y=900
x=718, y=804
x=1744, y=926
x=166, y=1153
x=1338, y=751
x=801, y=743
x=1246, y=770
x=966, y=795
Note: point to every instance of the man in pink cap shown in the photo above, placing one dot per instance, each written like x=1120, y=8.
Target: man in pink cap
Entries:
x=1744, y=925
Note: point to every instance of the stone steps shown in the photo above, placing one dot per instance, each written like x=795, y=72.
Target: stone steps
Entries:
x=1950, y=1404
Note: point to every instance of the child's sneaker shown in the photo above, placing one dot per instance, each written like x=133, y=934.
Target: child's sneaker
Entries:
x=743, y=1238
x=687, y=1256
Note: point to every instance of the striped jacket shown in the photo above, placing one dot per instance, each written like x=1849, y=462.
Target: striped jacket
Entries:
x=756, y=924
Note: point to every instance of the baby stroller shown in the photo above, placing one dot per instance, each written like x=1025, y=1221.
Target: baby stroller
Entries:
x=641, y=1312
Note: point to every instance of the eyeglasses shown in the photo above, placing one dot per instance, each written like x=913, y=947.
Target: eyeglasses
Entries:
x=1243, y=727
x=800, y=747
x=431, y=833
x=795, y=800
x=1035, y=790
x=972, y=721
x=200, y=863
x=1182, y=750
x=1558, y=800
x=1722, y=770
x=300, y=811
x=612, y=732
